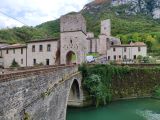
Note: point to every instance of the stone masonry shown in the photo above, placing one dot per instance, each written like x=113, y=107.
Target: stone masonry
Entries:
x=73, y=37
x=37, y=94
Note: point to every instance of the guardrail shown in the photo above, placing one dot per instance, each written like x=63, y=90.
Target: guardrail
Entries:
x=33, y=67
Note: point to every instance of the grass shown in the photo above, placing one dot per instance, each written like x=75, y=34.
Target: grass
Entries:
x=93, y=54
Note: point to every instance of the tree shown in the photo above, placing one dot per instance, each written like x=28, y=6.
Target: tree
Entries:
x=146, y=59
x=149, y=45
x=14, y=64
x=140, y=58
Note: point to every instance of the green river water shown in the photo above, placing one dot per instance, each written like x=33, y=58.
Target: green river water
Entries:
x=135, y=109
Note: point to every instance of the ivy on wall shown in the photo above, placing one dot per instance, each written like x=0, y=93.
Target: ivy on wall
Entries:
x=156, y=93
x=101, y=81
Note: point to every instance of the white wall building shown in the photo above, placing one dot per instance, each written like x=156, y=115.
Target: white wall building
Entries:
x=15, y=52
x=42, y=52
x=127, y=52
x=33, y=53
x=2, y=44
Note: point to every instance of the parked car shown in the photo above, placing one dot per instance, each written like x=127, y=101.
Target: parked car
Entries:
x=90, y=59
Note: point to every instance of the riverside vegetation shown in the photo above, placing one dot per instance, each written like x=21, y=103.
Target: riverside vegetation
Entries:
x=99, y=81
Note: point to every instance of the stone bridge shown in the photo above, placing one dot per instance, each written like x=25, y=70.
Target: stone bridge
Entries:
x=40, y=94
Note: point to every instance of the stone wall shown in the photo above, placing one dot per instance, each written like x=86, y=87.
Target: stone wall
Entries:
x=106, y=27
x=73, y=23
x=73, y=42
x=120, y=82
x=38, y=94
x=138, y=83
x=92, y=45
x=102, y=45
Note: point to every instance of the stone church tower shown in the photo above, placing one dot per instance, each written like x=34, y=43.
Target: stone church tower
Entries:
x=104, y=37
x=73, y=38
x=106, y=27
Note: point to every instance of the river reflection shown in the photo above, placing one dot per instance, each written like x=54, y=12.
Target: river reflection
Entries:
x=136, y=109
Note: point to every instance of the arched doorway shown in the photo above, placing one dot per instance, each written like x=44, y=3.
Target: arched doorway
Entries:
x=70, y=58
x=74, y=94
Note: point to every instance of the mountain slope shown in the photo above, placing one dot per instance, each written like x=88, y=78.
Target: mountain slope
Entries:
x=121, y=22
x=127, y=24
x=22, y=34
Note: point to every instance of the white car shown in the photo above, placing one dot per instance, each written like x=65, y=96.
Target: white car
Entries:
x=90, y=59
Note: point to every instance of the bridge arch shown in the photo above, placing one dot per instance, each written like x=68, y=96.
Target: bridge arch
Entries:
x=74, y=93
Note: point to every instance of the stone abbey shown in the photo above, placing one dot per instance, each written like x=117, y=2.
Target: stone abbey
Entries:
x=74, y=39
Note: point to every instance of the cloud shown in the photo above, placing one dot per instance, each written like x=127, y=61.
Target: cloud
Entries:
x=34, y=12
x=6, y=22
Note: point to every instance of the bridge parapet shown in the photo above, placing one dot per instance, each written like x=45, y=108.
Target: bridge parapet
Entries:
x=40, y=71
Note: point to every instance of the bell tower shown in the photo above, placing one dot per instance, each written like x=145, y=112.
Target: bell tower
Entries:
x=106, y=27
x=73, y=38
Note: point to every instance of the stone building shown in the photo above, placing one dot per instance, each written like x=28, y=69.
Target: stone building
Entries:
x=104, y=41
x=42, y=52
x=126, y=52
x=2, y=44
x=73, y=38
x=112, y=48
x=75, y=42
x=15, y=52
x=92, y=43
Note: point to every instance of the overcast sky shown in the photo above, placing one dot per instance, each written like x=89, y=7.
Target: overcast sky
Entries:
x=34, y=12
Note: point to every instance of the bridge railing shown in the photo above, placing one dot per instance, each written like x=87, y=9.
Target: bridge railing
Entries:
x=37, y=71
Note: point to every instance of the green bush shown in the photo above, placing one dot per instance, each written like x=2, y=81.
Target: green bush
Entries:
x=157, y=92
x=97, y=79
x=14, y=64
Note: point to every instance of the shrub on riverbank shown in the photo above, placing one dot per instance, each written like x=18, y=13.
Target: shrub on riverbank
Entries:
x=156, y=93
x=101, y=81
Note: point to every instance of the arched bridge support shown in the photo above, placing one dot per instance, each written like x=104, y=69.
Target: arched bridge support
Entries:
x=40, y=95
